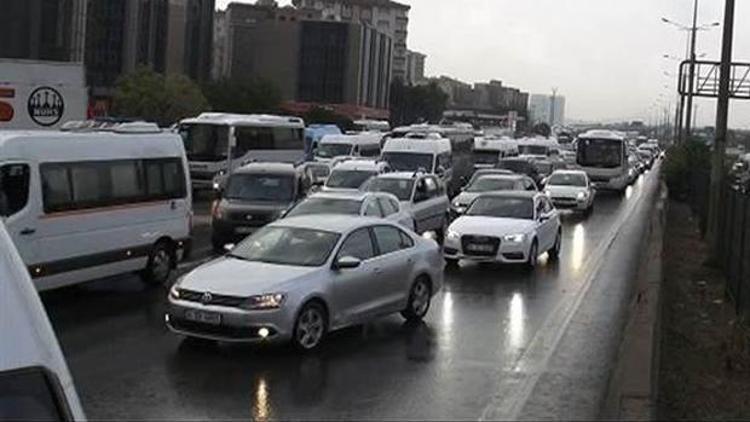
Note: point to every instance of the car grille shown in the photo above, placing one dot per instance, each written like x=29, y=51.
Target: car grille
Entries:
x=492, y=242
x=224, y=331
x=216, y=300
x=250, y=219
x=564, y=202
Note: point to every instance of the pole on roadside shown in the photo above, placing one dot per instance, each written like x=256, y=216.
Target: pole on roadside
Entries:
x=691, y=77
x=715, y=197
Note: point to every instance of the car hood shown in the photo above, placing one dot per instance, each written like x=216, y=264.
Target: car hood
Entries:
x=234, y=277
x=491, y=226
x=565, y=191
x=466, y=198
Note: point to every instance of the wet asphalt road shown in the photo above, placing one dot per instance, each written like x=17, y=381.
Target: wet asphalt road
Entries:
x=127, y=365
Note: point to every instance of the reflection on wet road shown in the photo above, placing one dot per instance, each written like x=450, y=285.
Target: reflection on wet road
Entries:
x=127, y=365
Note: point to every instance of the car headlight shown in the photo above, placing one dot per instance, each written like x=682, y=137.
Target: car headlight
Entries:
x=264, y=302
x=514, y=238
x=581, y=196
x=548, y=192
x=453, y=235
x=174, y=292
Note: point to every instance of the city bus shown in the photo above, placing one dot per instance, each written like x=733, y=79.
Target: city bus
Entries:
x=603, y=155
x=219, y=143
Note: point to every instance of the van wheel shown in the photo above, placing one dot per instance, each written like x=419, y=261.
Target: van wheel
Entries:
x=160, y=264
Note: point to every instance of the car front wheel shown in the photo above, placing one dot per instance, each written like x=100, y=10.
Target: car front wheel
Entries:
x=310, y=327
x=419, y=300
x=160, y=265
x=554, y=253
x=533, y=256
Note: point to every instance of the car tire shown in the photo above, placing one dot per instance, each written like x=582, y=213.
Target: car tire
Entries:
x=420, y=297
x=554, y=253
x=161, y=262
x=451, y=262
x=531, y=260
x=440, y=234
x=310, y=327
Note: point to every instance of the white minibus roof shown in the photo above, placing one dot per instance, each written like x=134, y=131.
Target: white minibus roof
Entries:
x=229, y=119
x=602, y=134
x=426, y=146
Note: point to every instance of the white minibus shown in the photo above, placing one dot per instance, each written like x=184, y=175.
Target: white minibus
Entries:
x=432, y=155
x=220, y=142
x=365, y=145
x=35, y=383
x=82, y=206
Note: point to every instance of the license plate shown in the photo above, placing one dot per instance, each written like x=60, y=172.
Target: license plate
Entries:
x=203, y=317
x=244, y=230
x=480, y=248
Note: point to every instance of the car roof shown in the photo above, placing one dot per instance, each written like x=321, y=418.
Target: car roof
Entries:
x=355, y=195
x=267, y=167
x=362, y=165
x=578, y=172
x=329, y=222
x=513, y=194
x=403, y=175
x=503, y=176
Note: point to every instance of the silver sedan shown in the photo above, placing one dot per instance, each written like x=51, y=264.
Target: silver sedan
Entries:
x=300, y=278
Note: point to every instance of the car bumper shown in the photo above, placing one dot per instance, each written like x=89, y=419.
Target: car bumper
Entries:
x=507, y=253
x=570, y=204
x=235, y=325
x=229, y=232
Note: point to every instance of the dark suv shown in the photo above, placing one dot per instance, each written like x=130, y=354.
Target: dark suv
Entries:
x=253, y=196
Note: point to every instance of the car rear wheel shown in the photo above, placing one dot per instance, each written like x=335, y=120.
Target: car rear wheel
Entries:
x=554, y=253
x=533, y=256
x=310, y=327
x=440, y=234
x=419, y=300
x=160, y=265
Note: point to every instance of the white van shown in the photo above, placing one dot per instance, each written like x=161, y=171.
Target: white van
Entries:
x=35, y=383
x=365, y=145
x=82, y=206
x=432, y=155
x=489, y=150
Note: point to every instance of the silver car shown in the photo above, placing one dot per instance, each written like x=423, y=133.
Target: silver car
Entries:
x=298, y=279
x=420, y=193
x=490, y=183
x=365, y=204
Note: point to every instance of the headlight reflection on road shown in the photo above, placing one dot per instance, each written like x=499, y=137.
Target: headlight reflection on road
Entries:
x=629, y=192
x=516, y=321
x=448, y=311
x=261, y=407
x=578, y=247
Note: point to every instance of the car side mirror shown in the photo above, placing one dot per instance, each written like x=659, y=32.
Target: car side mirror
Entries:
x=347, y=263
x=228, y=247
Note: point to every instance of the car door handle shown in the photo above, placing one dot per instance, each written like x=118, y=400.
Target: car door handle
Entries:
x=377, y=270
x=27, y=231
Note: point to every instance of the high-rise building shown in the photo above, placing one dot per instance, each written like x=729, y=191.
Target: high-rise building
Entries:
x=190, y=38
x=310, y=60
x=542, y=108
x=414, y=67
x=219, y=45
x=386, y=16
x=43, y=29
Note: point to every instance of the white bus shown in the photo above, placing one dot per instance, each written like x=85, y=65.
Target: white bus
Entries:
x=219, y=142
x=82, y=206
x=35, y=383
x=603, y=155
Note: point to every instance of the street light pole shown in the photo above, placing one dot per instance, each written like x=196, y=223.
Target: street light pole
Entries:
x=691, y=77
x=715, y=197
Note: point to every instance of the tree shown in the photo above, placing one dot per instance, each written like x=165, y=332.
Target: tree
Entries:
x=145, y=94
x=244, y=96
x=542, y=129
x=421, y=103
x=319, y=115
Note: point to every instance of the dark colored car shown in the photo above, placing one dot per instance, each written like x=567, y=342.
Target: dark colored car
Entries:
x=521, y=166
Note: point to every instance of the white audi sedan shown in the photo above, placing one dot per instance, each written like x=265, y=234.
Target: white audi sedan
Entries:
x=505, y=227
x=300, y=278
x=571, y=189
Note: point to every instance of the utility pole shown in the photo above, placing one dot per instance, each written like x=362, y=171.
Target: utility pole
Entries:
x=552, y=108
x=691, y=81
x=715, y=198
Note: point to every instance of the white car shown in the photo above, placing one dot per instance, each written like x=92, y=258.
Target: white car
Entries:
x=571, y=189
x=365, y=204
x=507, y=228
x=298, y=279
x=490, y=183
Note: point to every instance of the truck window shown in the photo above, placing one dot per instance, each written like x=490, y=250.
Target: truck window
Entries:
x=14, y=188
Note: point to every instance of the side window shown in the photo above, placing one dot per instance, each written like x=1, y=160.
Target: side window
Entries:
x=372, y=209
x=540, y=208
x=358, y=245
x=388, y=238
x=444, y=160
x=56, y=188
x=369, y=151
x=548, y=207
x=432, y=187
x=29, y=394
x=406, y=240
x=14, y=188
x=389, y=208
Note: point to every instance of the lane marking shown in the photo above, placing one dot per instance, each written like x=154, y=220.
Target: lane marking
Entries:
x=517, y=383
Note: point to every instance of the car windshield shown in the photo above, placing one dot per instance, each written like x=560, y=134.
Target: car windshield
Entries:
x=567, y=179
x=602, y=153
x=260, y=187
x=333, y=150
x=486, y=157
x=205, y=142
x=489, y=184
x=349, y=179
x=533, y=150
x=287, y=246
x=409, y=161
x=516, y=166
x=314, y=206
x=502, y=207
x=402, y=188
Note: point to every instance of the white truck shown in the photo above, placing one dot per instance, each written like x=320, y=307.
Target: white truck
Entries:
x=41, y=94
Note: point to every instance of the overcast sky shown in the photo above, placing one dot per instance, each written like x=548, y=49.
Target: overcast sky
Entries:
x=604, y=56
